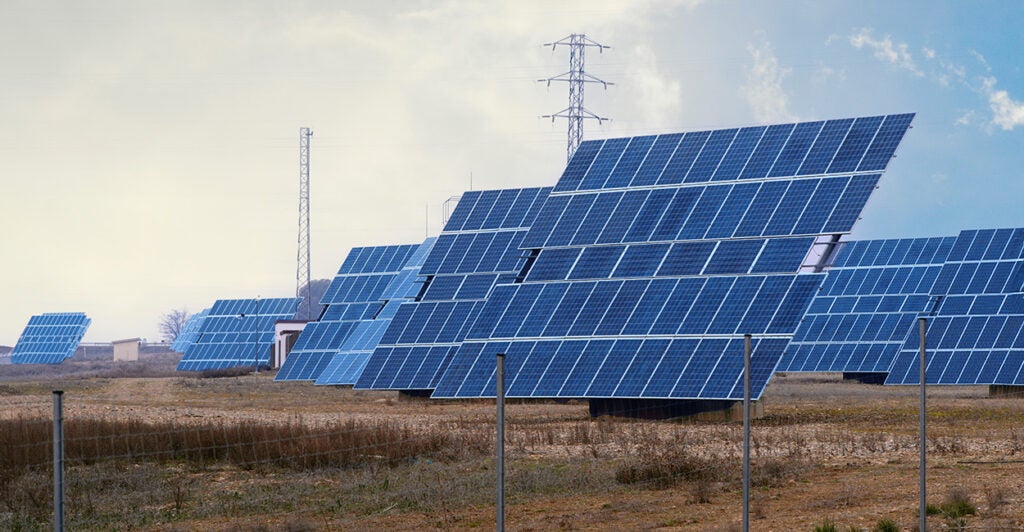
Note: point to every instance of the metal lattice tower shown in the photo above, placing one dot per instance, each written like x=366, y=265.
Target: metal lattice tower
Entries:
x=577, y=79
x=302, y=258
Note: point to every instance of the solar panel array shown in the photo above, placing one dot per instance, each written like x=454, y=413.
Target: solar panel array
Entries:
x=974, y=336
x=868, y=303
x=237, y=332
x=189, y=332
x=478, y=249
x=654, y=255
x=346, y=365
x=50, y=338
x=357, y=293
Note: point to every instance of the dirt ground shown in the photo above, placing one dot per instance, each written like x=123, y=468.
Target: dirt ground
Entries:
x=856, y=446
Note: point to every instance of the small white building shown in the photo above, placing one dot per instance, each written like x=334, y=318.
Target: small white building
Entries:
x=126, y=350
x=286, y=333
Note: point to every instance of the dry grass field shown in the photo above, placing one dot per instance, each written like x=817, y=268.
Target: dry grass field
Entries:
x=148, y=449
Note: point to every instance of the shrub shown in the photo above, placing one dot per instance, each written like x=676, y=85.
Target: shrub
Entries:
x=667, y=468
x=887, y=525
x=826, y=526
x=957, y=504
x=236, y=371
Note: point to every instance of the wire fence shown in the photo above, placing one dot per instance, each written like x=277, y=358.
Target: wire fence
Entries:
x=247, y=453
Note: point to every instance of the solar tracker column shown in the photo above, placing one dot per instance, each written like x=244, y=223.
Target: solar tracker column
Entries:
x=499, y=444
x=924, y=427
x=746, y=432
x=58, y=460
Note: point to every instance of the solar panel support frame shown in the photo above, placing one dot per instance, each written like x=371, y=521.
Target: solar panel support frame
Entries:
x=500, y=442
x=746, y=432
x=923, y=441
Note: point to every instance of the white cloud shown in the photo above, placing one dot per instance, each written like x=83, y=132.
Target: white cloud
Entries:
x=896, y=54
x=981, y=59
x=825, y=74
x=1007, y=113
x=763, y=90
x=928, y=52
x=659, y=97
x=965, y=119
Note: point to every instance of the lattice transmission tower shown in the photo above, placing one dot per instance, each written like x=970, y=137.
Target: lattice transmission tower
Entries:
x=577, y=78
x=302, y=258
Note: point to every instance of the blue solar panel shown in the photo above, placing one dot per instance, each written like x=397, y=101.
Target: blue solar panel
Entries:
x=348, y=361
x=866, y=306
x=237, y=332
x=974, y=325
x=784, y=150
x=654, y=255
x=475, y=252
x=50, y=338
x=189, y=332
x=808, y=206
x=368, y=278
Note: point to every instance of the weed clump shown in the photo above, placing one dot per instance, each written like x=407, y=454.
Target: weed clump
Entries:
x=667, y=468
x=957, y=504
x=221, y=373
x=826, y=526
x=886, y=525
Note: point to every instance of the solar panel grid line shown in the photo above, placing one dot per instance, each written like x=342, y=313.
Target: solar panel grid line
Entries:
x=773, y=152
x=744, y=137
x=864, y=139
x=656, y=160
x=625, y=159
x=685, y=154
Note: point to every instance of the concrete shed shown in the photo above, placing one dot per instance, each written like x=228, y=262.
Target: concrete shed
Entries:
x=126, y=350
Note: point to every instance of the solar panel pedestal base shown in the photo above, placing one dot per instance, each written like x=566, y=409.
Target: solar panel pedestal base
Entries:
x=674, y=408
x=865, y=378
x=1006, y=391
x=414, y=394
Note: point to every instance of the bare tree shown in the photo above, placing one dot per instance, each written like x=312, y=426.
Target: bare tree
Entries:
x=172, y=323
x=315, y=291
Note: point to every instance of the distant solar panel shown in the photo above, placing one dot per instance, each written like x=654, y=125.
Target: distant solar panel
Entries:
x=478, y=249
x=867, y=305
x=347, y=363
x=357, y=293
x=50, y=338
x=189, y=332
x=974, y=335
x=654, y=255
x=237, y=332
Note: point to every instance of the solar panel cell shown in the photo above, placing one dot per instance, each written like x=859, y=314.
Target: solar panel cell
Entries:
x=825, y=146
x=686, y=153
x=739, y=153
x=656, y=160
x=627, y=165
x=711, y=155
x=595, y=262
x=767, y=151
x=578, y=165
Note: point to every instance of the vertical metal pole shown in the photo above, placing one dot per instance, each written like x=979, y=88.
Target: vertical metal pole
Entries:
x=924, y=429
x=58, y=461
x=746, y=432
x=500, y=444
x=256, y=332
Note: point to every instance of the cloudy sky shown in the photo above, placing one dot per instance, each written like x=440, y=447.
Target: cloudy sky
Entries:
x=149, y=150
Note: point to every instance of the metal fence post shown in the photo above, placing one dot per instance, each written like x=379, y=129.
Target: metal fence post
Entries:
x=500, y=444
x=58, y=461
x=746, y=432
x=924, y=429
